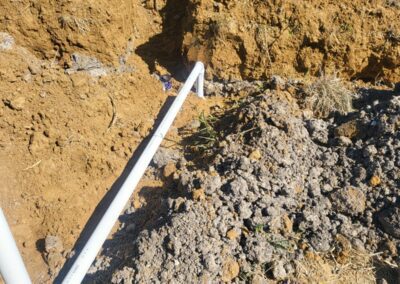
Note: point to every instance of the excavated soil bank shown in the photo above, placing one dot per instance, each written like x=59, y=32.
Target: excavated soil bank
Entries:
x=76, y=101
x=78, y=97
x=256, y=39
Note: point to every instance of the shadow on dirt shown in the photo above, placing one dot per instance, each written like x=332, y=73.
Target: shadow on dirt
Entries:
x=369, y=96
x=165, y=48
x=386, y=273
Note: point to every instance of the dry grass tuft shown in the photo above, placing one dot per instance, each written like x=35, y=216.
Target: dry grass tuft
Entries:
x=328, y=94
x=356, y=268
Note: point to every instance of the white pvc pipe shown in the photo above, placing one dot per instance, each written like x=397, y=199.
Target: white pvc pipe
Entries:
x=12, y=267
x=96, y=240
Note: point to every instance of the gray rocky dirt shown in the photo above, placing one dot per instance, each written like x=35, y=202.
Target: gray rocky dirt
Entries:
x=276, y=183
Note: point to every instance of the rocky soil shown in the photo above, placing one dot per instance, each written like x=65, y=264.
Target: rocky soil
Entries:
x=263, y=186
x=280, y=187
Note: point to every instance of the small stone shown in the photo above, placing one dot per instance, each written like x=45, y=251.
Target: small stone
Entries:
x=199, y=194
x=210, y=263
x=34, y=69
x=230, y=270
x=125, y=275
x=370, y=151
x=165, y=156
x=232, y=234
x=318, y=130
x=6, y=41
x=278, y=271
x=16, y=103
x=53, y=244
x=277, y=83
x=245, y=211
x=54, y=260
x=255, y=155
x=375, y=181
x=169, y=169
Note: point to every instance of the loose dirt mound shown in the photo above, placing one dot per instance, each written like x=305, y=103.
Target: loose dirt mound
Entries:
x=255, y=39
x=282, y=189
x=77, y=98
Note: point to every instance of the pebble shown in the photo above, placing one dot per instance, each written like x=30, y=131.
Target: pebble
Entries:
x=255, y=155
x=375, y=181
x=53, y=244
x=17, y=103
x=232, y=234
x=6, y=41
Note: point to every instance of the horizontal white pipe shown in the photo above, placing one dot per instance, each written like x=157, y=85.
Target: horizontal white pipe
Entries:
x=96, y=240
x=12, y=268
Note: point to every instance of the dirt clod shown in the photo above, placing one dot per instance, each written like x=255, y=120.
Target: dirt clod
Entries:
x=53, y=244
x=16, y=103
x=230, y=270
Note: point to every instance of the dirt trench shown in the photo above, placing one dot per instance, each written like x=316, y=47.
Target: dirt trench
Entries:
x=66, y=134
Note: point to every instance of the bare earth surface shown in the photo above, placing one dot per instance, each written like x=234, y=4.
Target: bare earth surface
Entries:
x=78, y=95
x=65, y=138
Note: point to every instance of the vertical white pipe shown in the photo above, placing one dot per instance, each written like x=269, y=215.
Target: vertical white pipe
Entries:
x=200, y=82
x=12, y=267
x=103, y=228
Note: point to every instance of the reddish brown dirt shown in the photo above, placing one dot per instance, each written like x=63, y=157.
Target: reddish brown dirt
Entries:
x=255, y=39
x=56, y=28
x=59, y=151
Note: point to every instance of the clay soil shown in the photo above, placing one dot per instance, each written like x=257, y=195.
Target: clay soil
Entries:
x=256, y=39
x=65, y=137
